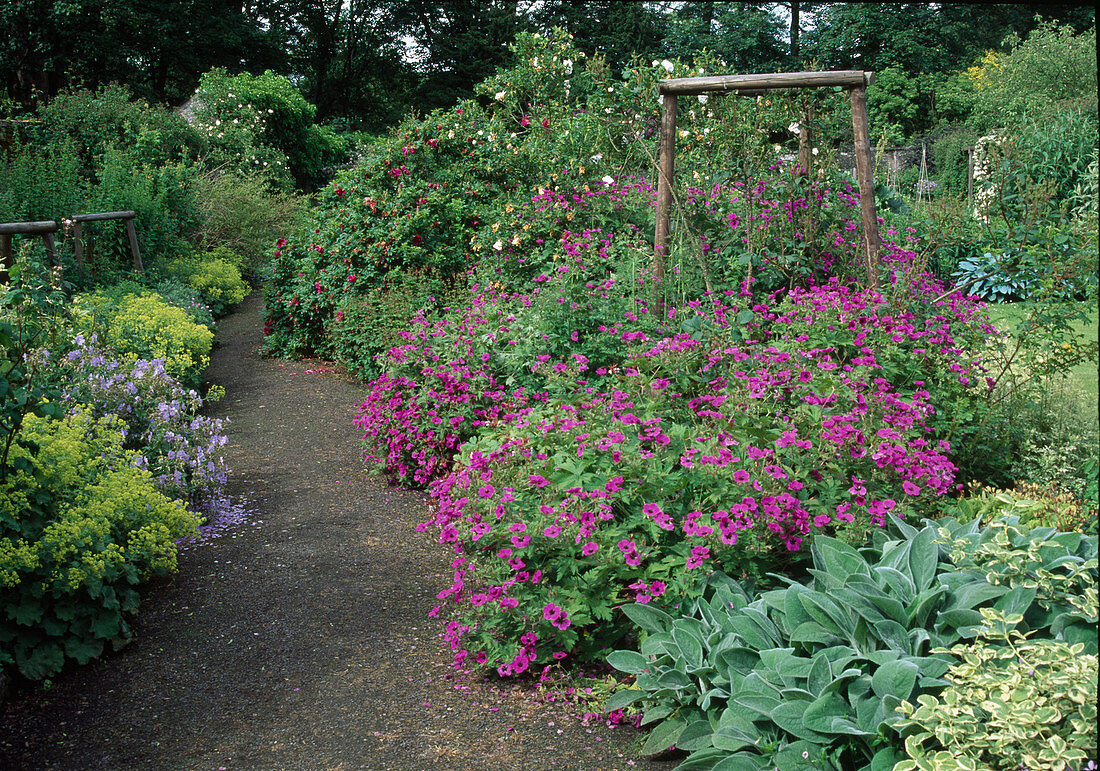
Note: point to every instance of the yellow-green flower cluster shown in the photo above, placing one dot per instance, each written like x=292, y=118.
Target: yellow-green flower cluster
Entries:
x=80, y=527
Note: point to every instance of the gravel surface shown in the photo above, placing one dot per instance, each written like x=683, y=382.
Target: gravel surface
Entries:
x=296, y=635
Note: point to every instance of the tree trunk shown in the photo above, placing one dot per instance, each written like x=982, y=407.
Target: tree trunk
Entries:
x=795, y=7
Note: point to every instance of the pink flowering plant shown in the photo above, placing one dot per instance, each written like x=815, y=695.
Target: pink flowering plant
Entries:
x=692, y=456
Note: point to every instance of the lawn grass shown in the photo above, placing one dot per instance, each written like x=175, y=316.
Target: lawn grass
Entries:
x=1005, y=316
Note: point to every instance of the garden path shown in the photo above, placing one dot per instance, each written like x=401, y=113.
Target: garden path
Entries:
x=298, y=636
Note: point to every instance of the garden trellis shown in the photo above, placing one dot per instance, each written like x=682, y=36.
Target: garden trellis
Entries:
x=855, y=81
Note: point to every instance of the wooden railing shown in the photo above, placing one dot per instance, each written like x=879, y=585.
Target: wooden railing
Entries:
x=47, y=228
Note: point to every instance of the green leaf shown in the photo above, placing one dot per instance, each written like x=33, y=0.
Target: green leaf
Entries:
x=631, y=662
x=648, y=618
x=664, y=736
x=660, y=712
x=831, y=714
x=793, y=612
x=895, y=678
x=918, y=611
x=83, y=650
x=838, y=558
x=623, y=698
x=901, y=585
x=974, y=593
x=790, y=716
x=885, y=759
x=689, y=646
x=41, y=661
x=924, y=558
x=27, y=613
x=1017, y=600
x=695, y=736
x=674, y=678
x=757, y=702
x=827, y=613
x=813, y=632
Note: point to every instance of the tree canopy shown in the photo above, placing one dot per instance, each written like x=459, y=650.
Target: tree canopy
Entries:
x=364, y=63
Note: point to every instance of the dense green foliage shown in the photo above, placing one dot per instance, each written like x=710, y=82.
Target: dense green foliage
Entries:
x=819, y=674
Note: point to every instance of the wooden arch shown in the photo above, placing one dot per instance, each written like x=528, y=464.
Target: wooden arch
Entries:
x=855, y=81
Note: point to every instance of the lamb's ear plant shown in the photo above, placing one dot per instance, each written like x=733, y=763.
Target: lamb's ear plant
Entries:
x=812, y=675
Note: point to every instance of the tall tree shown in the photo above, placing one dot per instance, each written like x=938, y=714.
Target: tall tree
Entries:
x=457, y=43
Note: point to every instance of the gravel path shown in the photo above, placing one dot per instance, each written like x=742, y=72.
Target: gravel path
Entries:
x=298, y=636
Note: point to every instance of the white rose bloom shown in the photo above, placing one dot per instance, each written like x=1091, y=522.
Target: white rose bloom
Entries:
x=499, y=96
x=702, y=98
x=608, y=180
x=668, y=66
x=498, y=245
x=568, y=66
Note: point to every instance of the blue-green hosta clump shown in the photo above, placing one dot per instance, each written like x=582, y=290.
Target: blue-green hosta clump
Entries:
x=812, y=675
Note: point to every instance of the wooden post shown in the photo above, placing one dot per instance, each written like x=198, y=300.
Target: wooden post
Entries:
x=51, y=250
x=46, y=229
x=5, y=257
x=969, y=177
x=132, y=233
x=78, y=247
x=664, y=183
x=805, y=141
x=865, y=172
